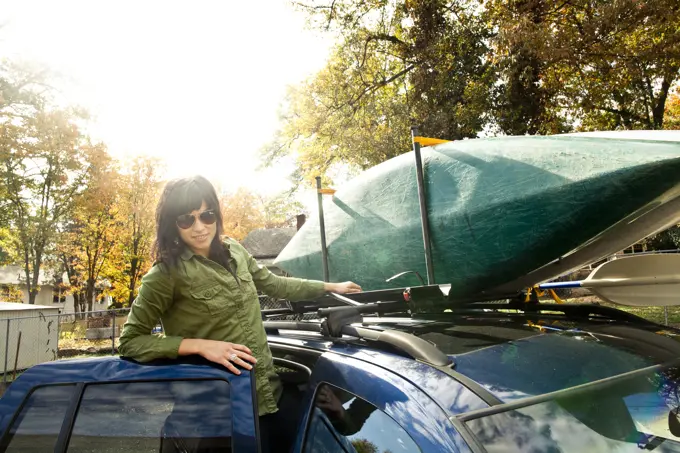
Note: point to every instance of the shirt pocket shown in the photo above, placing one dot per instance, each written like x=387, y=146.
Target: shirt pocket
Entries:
x=209, y=295
x=245, y=287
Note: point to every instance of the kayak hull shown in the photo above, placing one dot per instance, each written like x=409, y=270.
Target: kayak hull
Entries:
x=501, y=210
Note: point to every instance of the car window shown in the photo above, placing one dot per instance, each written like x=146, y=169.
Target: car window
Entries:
x=343, y=422
x=38, y=425
x=627, y=415
x=167, y=417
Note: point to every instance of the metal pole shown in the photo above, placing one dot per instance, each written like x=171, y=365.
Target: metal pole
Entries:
x=423, y=208
x=16, y=358
x=665, y=314
x=113, y=333
x=58, y=332
x=322, y=228
x=4, y=375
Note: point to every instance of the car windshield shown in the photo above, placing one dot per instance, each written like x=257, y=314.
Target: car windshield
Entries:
x=515, y=360
x=631, y=413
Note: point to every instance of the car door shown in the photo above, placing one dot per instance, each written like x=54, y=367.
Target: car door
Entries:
x=180, y=409
x=355, y=406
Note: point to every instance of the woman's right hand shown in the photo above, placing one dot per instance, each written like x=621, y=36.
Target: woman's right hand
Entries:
x=221, y=352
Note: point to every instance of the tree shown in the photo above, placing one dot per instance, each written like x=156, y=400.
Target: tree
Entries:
x=244, y=211
x=140, y=188
x=280, y=210
x=13, y=294
x=43, y=171
x=18, y=100
x=364, y=446
x=398, y=64
x=68, y=257
x=93, y=229
x=666, y=240
x=522, y=102
x=6, y=239
x=605, y=65
x=672, y=116
x=461, y=68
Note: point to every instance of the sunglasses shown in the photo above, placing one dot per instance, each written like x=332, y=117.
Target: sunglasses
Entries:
x=186, y=221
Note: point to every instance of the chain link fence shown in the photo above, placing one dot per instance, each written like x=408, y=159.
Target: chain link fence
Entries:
x=270, y=303
x=29, y=340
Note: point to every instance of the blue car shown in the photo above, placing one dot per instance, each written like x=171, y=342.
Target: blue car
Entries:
x=380, y=377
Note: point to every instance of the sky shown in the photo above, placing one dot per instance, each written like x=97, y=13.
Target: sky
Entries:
x=198, y=83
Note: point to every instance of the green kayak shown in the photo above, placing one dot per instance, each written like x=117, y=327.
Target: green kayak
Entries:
x=504, y=212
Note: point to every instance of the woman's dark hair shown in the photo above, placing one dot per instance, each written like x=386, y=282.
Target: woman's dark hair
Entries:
x=182, y=196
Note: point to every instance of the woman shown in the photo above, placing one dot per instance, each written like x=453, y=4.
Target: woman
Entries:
x=205, y=292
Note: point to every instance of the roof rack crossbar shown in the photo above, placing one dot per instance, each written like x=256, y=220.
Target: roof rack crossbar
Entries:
x=293, y=325
x=324, y=310
x=570, y=310
x=415, y=347
x=338, y=314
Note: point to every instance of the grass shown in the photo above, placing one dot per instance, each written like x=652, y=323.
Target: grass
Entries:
x=86, y=344
x=72, y=337
x=89, y=355
x=654, y=314
x=72, y=330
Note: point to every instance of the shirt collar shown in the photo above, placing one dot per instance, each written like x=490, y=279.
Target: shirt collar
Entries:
x=186, y=254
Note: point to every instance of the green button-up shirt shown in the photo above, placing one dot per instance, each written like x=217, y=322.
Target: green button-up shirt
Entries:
x=201, y=299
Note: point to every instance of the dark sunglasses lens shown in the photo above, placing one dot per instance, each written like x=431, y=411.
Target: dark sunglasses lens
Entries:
x=185, y=221
x=208, y=217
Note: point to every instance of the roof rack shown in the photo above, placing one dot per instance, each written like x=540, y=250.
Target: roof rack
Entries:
x=570, y=311
x=339, y=315
x=425, y=301
x=419, y=299
x=415, y=347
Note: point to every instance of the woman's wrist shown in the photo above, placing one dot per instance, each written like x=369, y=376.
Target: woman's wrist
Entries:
x=190, y=346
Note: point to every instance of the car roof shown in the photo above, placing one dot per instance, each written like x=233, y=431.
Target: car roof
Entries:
x=115, y=369
x=504, y=360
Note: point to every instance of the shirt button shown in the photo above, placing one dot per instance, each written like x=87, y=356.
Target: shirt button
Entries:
x=208, y=293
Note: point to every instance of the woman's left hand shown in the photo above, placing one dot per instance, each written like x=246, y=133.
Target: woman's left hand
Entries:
x=342, y=288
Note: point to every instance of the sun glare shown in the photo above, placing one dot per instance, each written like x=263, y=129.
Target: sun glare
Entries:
x=196, y=83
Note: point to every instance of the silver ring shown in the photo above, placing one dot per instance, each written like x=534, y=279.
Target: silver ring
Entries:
x=232, y=357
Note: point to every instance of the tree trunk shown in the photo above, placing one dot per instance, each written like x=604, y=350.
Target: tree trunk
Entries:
x=133, y=280
x=76, y=290
x=81, y=301
x=27, y=274
x=35, y=283
x=89, y=295
x=32, y=294
x=660, y=107
x=76, y=303
x=33, y=291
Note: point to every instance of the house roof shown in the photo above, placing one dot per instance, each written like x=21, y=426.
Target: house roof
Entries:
x=268, y=242
x=14, y=275
x=11, y=306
